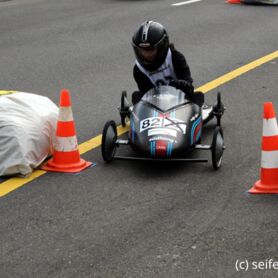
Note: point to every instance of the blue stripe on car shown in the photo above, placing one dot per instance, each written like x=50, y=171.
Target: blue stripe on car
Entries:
x=195, y=124
x=170, y=145
x=132, y=131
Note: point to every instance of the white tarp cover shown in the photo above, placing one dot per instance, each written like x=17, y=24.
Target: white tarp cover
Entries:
x=27, y=130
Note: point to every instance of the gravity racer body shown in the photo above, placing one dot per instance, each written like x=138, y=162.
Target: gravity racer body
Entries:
x=165, y=126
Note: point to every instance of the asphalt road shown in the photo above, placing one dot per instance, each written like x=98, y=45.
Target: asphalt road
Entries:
x=129, y=219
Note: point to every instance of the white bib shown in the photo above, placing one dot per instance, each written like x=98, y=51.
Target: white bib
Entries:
x=164, y=74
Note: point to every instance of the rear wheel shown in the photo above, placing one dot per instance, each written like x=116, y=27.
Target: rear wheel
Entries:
x=217, y=147
x=108, y=143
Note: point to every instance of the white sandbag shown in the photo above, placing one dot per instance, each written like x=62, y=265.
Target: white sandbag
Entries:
x=27, y=130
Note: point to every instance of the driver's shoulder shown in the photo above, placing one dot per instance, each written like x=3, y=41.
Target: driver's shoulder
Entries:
x=176, y=54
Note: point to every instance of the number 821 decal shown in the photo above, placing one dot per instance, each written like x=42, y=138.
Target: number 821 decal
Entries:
x=155, y=122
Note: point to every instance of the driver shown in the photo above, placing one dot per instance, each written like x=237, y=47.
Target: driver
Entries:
x=158, y=62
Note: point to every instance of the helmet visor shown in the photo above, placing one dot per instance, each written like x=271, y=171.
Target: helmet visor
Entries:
x=148, y=54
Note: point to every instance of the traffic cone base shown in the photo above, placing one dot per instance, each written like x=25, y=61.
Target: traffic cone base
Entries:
x=262, y=188
x=66, y=168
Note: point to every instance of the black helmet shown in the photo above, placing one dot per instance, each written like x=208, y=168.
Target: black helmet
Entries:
x=151, y=35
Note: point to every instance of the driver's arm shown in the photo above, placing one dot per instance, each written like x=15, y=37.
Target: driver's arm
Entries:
x=182, y=71
x=181, y=67
x=143, y=82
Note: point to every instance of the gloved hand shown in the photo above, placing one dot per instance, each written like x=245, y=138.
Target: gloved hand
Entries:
x=136, y=96
x=173, y=83
x=183, y=85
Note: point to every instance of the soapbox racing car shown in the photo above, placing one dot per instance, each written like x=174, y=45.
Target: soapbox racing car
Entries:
x=165, y=126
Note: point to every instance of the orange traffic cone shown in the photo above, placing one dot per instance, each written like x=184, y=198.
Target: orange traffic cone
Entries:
x=269, y=162
x=233, y=1
x=66, y=156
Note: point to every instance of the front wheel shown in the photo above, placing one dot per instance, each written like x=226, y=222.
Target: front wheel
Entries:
x=124, y=108
x=217, y=147
x=108, y=143
x=218, y=109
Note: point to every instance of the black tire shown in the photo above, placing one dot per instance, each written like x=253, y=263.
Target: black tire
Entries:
x=123, y=116
x=217, y=147
x=219, y=108
x=108, y=143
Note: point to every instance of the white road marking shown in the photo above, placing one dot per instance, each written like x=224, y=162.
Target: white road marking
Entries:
x=186, y=2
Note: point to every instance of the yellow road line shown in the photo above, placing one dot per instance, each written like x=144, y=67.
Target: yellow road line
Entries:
x=96, y=142
x=237, y=72
x=3, y=92
x=14, y=183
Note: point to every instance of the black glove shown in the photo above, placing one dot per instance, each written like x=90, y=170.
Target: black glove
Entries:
x=198, y=98
x=173, y=83
x=136, y=96
x=183, y=85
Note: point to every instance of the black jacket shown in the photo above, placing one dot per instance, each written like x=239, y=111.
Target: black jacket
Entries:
x=181, y=69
